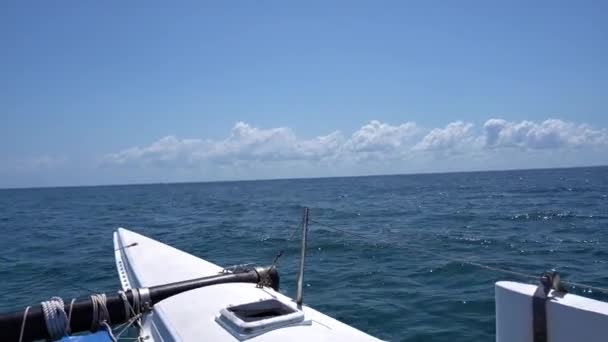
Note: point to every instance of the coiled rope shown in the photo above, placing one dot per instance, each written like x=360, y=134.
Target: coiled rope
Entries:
x=58, y=323
x=55, y=317
x=100, y=311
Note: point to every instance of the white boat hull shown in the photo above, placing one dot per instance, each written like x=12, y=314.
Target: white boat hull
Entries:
x=191, y=316
x=570, y=318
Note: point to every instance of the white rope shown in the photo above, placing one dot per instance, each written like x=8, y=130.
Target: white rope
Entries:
x=125, y=326
x=70, y=316
x=125, y=302
x=136, y=306
x=135, y=315
x=100, y=311
x=109, y=330
x=55, y=318
x=23, y=323
x=584, y=286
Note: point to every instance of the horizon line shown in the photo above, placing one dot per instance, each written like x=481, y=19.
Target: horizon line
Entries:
x=299, y=178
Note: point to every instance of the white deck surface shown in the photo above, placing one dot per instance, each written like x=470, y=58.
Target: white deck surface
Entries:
x=190, y=316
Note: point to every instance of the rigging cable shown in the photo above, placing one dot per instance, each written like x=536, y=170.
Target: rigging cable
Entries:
x=463, y=261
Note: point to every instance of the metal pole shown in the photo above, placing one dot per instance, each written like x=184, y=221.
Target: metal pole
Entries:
x=302, y=256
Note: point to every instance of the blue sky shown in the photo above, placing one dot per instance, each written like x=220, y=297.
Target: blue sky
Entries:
x=109, y=92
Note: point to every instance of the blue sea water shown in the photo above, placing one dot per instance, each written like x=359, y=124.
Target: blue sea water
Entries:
x=58, y=241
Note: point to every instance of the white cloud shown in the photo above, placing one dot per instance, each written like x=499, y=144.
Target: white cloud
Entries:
x=167, y=149
x=455, y=135
x=551, y=133
x=275, y=144
x=377, y=137
x=247, y=144
x=327, y=146
x=42, y=162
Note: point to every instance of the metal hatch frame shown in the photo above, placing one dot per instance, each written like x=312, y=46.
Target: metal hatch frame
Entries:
x=281, y=314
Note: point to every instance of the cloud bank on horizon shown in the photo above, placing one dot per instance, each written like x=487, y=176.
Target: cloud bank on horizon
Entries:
x=248, y=151
x=374, y=141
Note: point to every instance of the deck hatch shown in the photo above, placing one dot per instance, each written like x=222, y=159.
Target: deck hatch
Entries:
x=252, y=319
x=261, y=310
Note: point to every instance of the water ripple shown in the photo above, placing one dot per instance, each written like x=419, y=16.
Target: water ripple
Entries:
x=58, y=241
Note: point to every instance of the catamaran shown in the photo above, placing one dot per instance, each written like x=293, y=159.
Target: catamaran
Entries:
x=170, y=295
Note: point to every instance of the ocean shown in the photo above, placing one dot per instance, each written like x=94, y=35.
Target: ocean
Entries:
x=392, y=271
